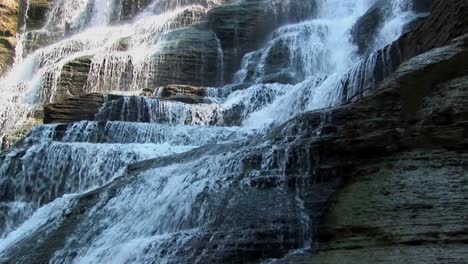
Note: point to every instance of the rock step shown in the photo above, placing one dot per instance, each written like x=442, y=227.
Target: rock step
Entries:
x=87, y=106
x=133, y=132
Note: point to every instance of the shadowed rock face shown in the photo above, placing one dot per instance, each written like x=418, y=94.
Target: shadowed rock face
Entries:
x=404, y=200
x=132, y=7
x=422, y=38
x=243, y=26
x=37, y=14
x=367, y=26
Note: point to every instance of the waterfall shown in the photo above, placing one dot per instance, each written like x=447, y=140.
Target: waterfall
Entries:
x=154, y=178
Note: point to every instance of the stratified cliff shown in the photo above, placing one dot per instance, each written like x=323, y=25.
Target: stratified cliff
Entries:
x=253, y=131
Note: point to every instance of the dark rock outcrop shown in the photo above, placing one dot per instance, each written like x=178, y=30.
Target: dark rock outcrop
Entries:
x=37, y=14
x=188, y=56
x=367, y=27
x=129, y=8
x=243, y=26
x=73, y=79
x=403, y=200
x=451, y=20
x=240, y=28
x=448, y=19
x=181, y=93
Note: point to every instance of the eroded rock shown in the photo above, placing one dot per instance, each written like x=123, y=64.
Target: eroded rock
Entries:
x=9, y=10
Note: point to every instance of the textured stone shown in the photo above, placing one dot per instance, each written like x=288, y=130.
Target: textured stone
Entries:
x=449, y=17
x=9, y=10
x=366, y=28
x=11, y=138
x=405, y=208
x=36, y=39
x=37, y=14
x=181, y=93
x=132, y=7
x=73, y=109
x=187, y=56
x=243, y=26
x=240, y=27
x=73, y=78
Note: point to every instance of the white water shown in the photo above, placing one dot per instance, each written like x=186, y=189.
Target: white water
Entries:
x=33, y=80
x=161, y=209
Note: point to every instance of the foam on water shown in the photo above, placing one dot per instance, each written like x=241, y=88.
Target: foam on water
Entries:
x=48, y=170
x=33, y=80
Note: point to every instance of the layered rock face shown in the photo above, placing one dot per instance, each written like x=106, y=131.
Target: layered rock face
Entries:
x=379, y=65
x=141, y=160
x=9, y=10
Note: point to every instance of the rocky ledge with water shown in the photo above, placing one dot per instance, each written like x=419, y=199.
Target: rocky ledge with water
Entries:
x=247, y=132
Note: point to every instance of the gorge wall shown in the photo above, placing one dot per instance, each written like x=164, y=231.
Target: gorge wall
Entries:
x=253, y=131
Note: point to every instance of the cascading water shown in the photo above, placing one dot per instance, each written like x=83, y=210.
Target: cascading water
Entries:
x=33, y=80
x=159, y=214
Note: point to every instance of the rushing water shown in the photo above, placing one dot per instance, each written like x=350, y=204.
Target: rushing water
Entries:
x=159, y=212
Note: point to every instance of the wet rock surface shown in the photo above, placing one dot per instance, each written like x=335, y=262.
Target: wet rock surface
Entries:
x=181, y=93
x=420, y=39
x=380, y=179
x=399, y=153
x=188, y=56
x=37, y=14
x=73, y=79
x=73, y=109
